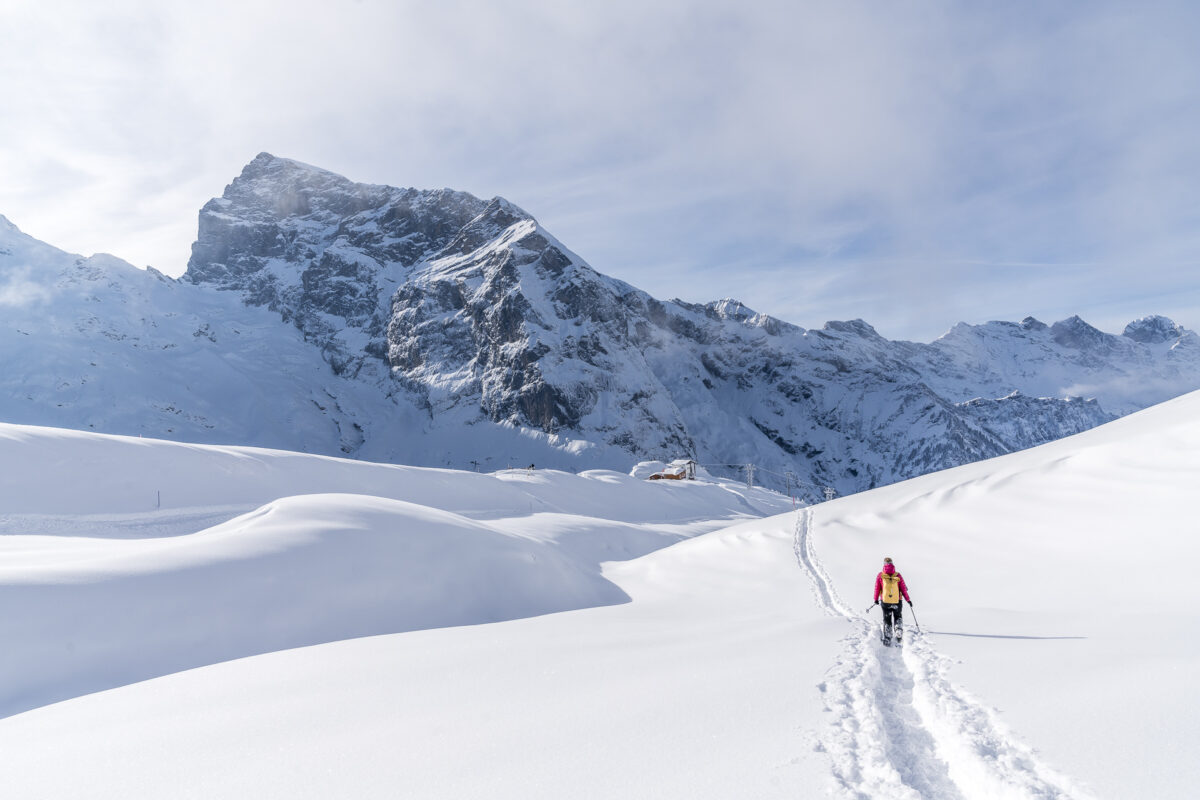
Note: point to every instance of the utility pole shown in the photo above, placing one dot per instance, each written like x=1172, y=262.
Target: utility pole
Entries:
x=829, y=493
x=749, y=476
x=475, y=464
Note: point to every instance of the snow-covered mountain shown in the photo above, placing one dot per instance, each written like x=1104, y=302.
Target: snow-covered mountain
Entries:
x=435, y=328
x=96, y=344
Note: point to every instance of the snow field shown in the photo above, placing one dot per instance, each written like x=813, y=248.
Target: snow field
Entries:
x=299, y=571
x=100, y=594
x=1052, y=587
x=1055, y=584
x=691, y=689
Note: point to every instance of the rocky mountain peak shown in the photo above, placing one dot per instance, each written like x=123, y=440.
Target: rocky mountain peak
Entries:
x=497, y=216
x=736, y=311
x=1154, y=330
x=856, y=327
x=1075, y=333
x=284, y=188
x=728, y=308
x=267, y=165
x=472, y=317
x=328, y=253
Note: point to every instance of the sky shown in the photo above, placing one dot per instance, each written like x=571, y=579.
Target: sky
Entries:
x=910, y=164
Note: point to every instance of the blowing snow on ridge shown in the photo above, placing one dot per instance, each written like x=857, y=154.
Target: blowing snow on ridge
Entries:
x=435, y=328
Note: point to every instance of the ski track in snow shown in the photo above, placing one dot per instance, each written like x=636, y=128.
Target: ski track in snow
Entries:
x=134, y=525
x=900, y=729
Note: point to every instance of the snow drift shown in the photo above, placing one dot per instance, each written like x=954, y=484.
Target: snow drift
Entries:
x=111, y=581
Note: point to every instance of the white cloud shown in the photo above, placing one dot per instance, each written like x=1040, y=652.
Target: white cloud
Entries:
x=17, y=290
x=830, y=160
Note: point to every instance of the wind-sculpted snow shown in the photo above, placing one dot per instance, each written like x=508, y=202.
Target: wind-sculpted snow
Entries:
x=295, y=572
x=441, y=329
x=126, y=559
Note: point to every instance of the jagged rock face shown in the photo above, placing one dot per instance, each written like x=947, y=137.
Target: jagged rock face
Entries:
x=841, y=406
x=532, y=336
x=457, y=332
x=435, y=284
x=480, y=315
x=1155, y=330
x=324, y=252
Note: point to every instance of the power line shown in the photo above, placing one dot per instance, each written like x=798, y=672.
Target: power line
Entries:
x=789, y=477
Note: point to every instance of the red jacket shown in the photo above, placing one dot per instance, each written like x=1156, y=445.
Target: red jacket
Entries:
x=879, y=583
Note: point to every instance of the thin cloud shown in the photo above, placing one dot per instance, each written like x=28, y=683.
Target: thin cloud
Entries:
x=19, y=290
x=718, y=150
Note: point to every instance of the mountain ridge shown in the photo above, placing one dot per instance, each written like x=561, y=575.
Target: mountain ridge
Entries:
x=433, y=327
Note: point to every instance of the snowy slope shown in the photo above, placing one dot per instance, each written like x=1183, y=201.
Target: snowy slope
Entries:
x=1052, y=586
x=139, y=557
x=96, y=344
x=1061, y=580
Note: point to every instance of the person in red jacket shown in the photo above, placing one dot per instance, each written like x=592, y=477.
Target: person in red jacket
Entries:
x=889, y=588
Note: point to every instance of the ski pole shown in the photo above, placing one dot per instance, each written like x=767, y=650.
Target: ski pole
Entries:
x=914, y=613
x=868, y=611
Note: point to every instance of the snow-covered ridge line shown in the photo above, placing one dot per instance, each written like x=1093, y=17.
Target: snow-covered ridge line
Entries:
x=441, y=329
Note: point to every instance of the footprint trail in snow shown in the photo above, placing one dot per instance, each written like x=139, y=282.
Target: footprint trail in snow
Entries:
x=900, y=729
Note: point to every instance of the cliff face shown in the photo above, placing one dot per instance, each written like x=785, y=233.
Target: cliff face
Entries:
x=433, y=327
x=323, y=252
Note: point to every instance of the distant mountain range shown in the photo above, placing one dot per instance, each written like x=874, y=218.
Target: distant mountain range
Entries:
x=438, y=329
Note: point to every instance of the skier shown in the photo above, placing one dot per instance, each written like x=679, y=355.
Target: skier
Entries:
x=890, y=585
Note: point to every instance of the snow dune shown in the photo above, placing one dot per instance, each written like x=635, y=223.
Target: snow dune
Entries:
x=1052, y=585
x=65, y=474
x=104, y=589
x=298, y=571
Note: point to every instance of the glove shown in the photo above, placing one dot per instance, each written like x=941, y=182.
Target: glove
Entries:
x=910, y=603
x=876, y=602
